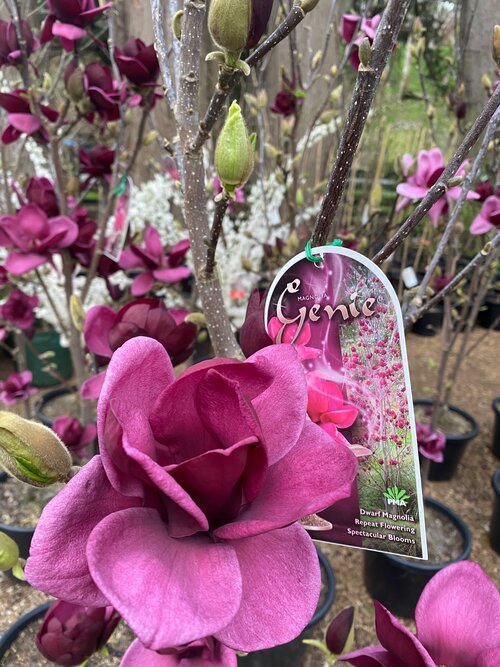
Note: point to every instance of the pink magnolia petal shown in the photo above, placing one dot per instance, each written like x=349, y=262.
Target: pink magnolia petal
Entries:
x=480, y=225
x=489, y=658
x=138, y=656
x=139, y=357
x=411, y=191
x=18, y=264
x=280, y=593
x=142, y=284
x=89, y=434
x=154, y=246
x=290, y=404
x=458, y=615
x=172, y=275
x=348, y=26
x=24, y=122
x=98, y=323
x=437, y=211
x=91, y=388
x=372, y=656
x=316, y=473
x=154, y=589
x=68, y=31
x=399, y=641
x=91, y=14
x=57, y=564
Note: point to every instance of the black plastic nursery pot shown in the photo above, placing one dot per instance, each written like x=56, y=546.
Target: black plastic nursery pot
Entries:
x=430, y=323
x=489, y=314
x=455, y=445
x=292, y=654
x=22, y=536
x=396, y=581
x=495, y=514
x=12, y=633
x=46, y=399
x=496, y=427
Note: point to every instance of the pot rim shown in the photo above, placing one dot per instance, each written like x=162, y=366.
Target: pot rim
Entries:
x=495, y=404
x=470, y=435
x=424, y=566
x=495, y=481
x=13, y=631
x=47, y=398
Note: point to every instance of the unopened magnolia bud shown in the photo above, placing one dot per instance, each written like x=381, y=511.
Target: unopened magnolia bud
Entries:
x=420, y=47
x=9, y=553
x=246, y=264
x=418, y=26
x=299, y=198
x=234, y=153
x=316, y=59
x=77, y=312
x=177, y=24
x=431, y=112
x=308, y=5
x=365, y=54
x=327, y=117
x=196, y=318
x=496, y=45
x=32, y=452
x=150, y=137
x=229, y=23
x=74, y=85
x=333, y=71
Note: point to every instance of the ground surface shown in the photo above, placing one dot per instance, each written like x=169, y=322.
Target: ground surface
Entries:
x=469, y=494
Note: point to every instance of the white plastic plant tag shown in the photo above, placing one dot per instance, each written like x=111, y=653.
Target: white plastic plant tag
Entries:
x=116, y=232
x=343, y=316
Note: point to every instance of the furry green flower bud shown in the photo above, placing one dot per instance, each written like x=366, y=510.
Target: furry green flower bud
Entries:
x=229, y=23
x=9, y=553
x=235, y=151
x=32, y=452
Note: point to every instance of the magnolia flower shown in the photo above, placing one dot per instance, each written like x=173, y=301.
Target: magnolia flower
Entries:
x=431, y=443
x=157, y=265
x=82, y=248
x=202, y=653
x=350, y=25
x=18, y=310
x=457, y=625
x=97, y=163
x=71, y=633
x=326, y=404
x=16, y=388
x=288, y=100
x=68, y=20
x=488, y=218
x=103, y=91
x=4, y=277
x=186, y=522
x=21, y=119
x=430, y=166
x=261, y=12
x=138, y=63
x=75, y=436
x=253, y=335
x=10, y=51
x=34, y=238
x=40, y=191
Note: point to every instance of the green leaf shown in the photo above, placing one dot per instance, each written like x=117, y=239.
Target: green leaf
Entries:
x=243, y=67
x=18, y=571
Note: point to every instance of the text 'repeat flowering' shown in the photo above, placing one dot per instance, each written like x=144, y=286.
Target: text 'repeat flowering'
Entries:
x=187, y=521
x=457, y=625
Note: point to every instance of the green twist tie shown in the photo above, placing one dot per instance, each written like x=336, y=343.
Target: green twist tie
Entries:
x=122, y=185
x=317, y=258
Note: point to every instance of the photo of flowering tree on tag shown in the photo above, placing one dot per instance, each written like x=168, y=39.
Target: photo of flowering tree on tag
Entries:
x=343, y=317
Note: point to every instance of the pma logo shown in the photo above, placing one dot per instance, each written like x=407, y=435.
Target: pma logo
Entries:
x=396, y=496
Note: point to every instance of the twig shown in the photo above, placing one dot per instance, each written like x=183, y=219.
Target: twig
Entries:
x=220, y=211
x=439, y=188
x=363, y=96
x=51, y=301
x=478, y=259
x=466, y=186
x=228, y=77
x=195, y=206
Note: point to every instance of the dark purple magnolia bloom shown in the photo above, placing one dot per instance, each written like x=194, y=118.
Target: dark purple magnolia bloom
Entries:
x=456, y=620
x=75, y=436
x=485, y=189
x=253, y=335
x=488, y=218
x=10, y=51
x=17, y=388
x=70, y=633
x=40, y=191
x=440, y=282
x=158, y=265
x=352, y=24
x=68, y=20
x=106, y=330
x=138, y=62
x=430, y=443
x=287, y=101
x=206, y=652
x=83, y=247
x=261, y=11
x=103, y=91
x=18, y=310
x=33, y=238
x=339, y=630
x=21, y=119
x=97, y=163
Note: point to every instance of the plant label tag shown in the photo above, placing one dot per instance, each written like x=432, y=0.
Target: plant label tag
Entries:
x=343, y=316
x=116, y=233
